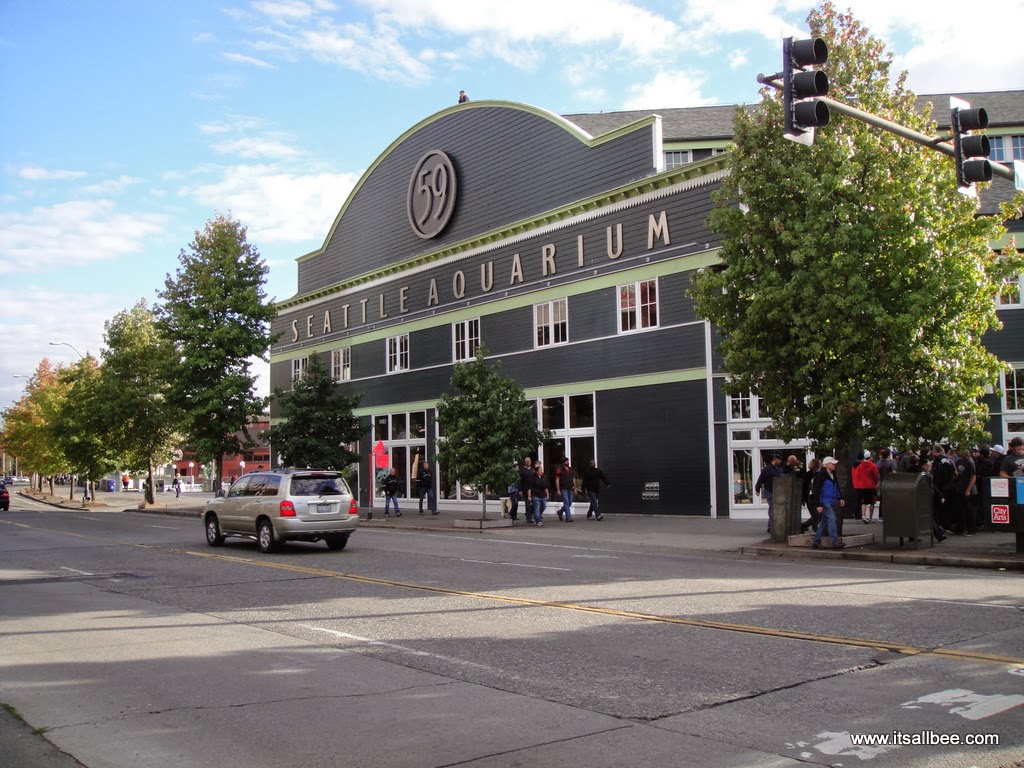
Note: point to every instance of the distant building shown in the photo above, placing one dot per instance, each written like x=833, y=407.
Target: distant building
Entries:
x=566, y=246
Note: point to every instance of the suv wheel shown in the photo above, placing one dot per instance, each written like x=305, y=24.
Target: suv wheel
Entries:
x=213, y=535
x=265, y=536
x=336, y=542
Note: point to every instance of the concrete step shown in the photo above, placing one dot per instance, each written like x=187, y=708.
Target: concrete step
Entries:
x=853, y=540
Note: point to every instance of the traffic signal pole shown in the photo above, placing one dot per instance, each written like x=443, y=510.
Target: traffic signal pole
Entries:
x=937, y=143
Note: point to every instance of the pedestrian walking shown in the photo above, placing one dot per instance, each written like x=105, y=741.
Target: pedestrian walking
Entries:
x=391, y=486
x=539, y=493
x=513, y=495
x=826, y=496
x=765, y=482
x=526, y=489
x=815, y=519
x=592, y=479
x=565, y=486
x=865, y=481
x=425, y=489
x=124, y=481
x=176, y=482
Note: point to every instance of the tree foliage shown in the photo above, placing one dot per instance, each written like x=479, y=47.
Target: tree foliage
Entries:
x=317, y=422
x=856, y=282
x=27, y=431
x=214, y=320
x=141, y=426
x=487, y=424
x=77, y=422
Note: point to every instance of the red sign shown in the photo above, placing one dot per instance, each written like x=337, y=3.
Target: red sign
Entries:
x=1001, y=513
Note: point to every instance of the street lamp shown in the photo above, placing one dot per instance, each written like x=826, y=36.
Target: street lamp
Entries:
x=65, y=344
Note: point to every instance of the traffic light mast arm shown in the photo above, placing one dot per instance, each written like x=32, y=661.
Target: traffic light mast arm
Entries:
x=886, y=125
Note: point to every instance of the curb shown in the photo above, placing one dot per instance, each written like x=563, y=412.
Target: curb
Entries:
x=896, y=558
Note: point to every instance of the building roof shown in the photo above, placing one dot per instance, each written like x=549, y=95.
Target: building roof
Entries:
x=714, y=123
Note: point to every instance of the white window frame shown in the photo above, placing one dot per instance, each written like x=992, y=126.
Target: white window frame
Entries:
x=676, y=158
x=398, y=353
x=465, y=339
x=551, y=323
x=641, y=319
x=998, y=148
x=341, y=364
x=1016, y=147
x=1016, y=298
x=299, y=367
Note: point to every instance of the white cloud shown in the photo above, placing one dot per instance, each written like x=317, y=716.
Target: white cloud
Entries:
x=241, y=58
x=112, y=186
x=72, y=234
x=33, y=173
x=275, y=205
x=668, y=89
x=252, y=148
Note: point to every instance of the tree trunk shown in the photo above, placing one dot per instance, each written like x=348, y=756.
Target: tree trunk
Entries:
x=150, y=494
x=73, y=479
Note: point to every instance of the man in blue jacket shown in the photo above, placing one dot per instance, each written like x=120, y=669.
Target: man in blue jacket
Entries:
x=825, y=497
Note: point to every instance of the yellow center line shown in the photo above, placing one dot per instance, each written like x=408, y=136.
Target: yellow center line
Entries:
x=784, y=634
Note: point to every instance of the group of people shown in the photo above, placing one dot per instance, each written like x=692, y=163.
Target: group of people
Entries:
x=534, y=488
x=956, y=478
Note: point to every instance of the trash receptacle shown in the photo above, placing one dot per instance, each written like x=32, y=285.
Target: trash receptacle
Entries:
x=111, y=487
x=908, y=507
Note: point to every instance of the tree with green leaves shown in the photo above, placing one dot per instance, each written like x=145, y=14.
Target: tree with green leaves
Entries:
x=142, y=427
x=856, y=282
x=78, y=426
x=215, y=318
x=487, y=424
x=27, y=425
x=317, y=424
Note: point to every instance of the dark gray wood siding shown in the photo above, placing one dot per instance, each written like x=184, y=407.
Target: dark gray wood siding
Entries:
x=511, y=164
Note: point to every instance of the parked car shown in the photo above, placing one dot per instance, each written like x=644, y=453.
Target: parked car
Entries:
x=8, y=480
x=279, y=505
x=5, y=497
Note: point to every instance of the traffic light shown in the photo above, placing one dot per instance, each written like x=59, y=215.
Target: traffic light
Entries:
x=799, y=83
x=970, y=152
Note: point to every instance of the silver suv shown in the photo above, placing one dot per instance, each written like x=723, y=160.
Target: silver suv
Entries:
x=281, y=505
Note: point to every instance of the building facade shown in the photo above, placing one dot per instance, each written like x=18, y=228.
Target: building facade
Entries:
x=566, y=246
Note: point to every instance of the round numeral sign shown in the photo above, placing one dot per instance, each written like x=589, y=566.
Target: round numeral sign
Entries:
x=431, y=194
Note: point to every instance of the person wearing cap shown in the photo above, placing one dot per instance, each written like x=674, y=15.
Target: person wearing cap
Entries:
x=1013, y=464
x=865, y=480
x=765, y=481
x=826, y=496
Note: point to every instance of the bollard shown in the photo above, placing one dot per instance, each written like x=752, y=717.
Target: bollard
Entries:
x=788, y=499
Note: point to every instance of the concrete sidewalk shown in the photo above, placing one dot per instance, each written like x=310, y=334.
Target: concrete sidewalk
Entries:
x=638, y=531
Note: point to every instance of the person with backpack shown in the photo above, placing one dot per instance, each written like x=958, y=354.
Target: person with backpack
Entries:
x=391, y=486
x=944, y=481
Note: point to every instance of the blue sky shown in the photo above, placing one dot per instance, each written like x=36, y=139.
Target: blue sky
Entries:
x=129, y=123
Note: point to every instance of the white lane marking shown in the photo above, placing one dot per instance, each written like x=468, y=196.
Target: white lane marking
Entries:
x=165, y=527
x=968, y=704
x=393, y=646
x=514, y=565
x=75, y=570
x=838, y=743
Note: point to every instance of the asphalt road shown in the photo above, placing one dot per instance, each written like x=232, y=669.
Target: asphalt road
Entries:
x=127, y=641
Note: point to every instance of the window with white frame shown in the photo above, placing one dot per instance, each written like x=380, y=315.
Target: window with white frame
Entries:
x=551, y=320
x=341, y=364
x=676, y=158
x=1013, y=389
x=398, y=353
x=1017, y=144
x=638, y=306
x=299, y=367
x=1013, y=289
x=465, y=339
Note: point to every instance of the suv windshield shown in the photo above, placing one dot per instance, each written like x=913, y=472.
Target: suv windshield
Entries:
x=318, y=485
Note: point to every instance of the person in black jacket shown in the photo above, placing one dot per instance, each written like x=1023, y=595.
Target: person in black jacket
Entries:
x=391, y=485
x=526, y=489
x=539, y=492
x=425, y=487
x=591, y=480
